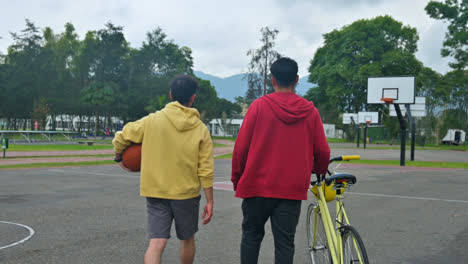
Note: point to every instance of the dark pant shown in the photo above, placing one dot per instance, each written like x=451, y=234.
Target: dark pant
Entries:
x=284, y=216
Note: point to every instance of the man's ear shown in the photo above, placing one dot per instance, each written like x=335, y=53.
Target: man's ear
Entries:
x=297, y=78
x=274, y=84
x=273, y=81
x=170, y=96
x=192, y=99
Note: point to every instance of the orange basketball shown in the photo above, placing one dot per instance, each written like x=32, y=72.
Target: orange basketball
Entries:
x=131, y=158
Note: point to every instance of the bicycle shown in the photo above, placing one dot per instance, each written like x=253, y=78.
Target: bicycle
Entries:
x=328, y=243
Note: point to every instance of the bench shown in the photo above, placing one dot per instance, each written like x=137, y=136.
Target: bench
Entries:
x=90, y=143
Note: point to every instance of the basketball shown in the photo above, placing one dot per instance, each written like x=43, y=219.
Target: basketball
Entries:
x=131, y=158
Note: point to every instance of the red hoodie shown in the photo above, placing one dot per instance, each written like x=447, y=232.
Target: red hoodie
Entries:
x=280, y=143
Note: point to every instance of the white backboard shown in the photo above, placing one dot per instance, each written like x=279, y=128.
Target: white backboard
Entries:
x=401, y=89
x=417, y=110
x=347, y=118
x=373, y=117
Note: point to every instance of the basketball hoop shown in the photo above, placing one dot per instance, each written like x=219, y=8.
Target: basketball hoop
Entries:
x=368, y=121
x=387, y=100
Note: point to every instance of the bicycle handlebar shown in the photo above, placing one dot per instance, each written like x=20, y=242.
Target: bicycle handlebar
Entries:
x=341, y=158
x=349, y=157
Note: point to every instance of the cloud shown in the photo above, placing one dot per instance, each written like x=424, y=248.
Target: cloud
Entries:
x=221, y=32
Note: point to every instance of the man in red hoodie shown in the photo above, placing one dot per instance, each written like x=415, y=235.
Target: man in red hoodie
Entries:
x=280, y=143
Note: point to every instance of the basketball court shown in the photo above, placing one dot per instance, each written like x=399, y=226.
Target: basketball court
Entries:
x=94, y=215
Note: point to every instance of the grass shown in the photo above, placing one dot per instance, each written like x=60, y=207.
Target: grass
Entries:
x=55, y=147
x=226, y=156
x=337, y=140
x=58, y=164
x=62, y=156
x=431, y=164
x=408, y=147
x=218, y=145
x=445, y=147
x=225, y=138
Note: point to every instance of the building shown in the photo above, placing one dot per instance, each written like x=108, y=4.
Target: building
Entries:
x=75, y=123
x=226, y=128
x=230, y=128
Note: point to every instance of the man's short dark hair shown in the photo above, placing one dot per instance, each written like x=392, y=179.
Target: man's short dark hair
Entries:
x=285, y=71
x=183, y=87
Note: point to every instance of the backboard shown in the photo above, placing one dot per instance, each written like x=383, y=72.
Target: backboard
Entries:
x=399, y=88
x=417, y=110
x=347, y=118
x=368, y=117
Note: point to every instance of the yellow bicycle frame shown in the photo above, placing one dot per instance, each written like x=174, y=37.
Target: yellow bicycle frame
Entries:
x=333, y=234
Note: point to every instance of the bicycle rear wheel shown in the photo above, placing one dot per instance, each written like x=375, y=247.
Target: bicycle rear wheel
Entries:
x=353, y=247
x=319, y=251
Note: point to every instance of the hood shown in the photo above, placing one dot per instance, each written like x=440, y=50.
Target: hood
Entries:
x=289, y=107
x=183, y=118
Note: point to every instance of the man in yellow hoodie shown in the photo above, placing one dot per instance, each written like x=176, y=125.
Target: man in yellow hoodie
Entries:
x=177, y=161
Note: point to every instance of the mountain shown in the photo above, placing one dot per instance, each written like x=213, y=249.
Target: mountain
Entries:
x=236, y=85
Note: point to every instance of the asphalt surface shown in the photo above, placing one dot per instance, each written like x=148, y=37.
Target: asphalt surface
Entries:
x=94, y=215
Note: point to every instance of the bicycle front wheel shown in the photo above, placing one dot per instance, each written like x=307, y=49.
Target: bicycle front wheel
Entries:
x=353, y=247
x=319, y=251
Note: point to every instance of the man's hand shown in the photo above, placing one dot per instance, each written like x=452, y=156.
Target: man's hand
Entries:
x=207, y=213
x=118, y=157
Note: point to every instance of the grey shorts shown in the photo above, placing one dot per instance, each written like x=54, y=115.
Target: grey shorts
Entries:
x=161, y=212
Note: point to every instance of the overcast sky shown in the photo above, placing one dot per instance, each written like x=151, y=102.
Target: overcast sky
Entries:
x=221, y=32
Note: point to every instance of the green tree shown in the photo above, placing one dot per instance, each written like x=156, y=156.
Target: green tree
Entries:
x=24, y=59
x=66, y=97
x=157, y=104
x=456, y=107
x=455, y=45
x=98, y=94
x=377, y=47
x=206, y=101
x=259, y=77
x=100, y=67
x=149, y=71
x=100, y=75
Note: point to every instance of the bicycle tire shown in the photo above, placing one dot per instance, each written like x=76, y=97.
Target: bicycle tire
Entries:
x=318, y=252
x=351, y=249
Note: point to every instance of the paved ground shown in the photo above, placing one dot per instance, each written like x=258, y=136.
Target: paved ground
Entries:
x=94, y=215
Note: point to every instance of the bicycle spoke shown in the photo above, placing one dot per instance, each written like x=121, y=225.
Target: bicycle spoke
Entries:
x=317, y=240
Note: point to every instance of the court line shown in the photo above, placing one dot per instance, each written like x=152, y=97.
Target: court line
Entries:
x=409, y=197
x=31, y=233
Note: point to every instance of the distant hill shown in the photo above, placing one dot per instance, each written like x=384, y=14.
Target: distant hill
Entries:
x=235, y=85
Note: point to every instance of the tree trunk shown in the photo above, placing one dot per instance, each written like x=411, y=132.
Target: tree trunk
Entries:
x=54, y=122
x=79, y=124
x=96, y=123
x=88, y=127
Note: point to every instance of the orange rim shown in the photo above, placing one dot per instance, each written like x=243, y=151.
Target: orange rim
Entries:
x=387, y=100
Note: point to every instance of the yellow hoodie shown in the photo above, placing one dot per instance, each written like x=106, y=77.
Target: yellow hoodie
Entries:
x=177, y=152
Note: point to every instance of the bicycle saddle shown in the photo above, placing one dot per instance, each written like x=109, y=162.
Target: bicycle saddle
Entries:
x=340, y=178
